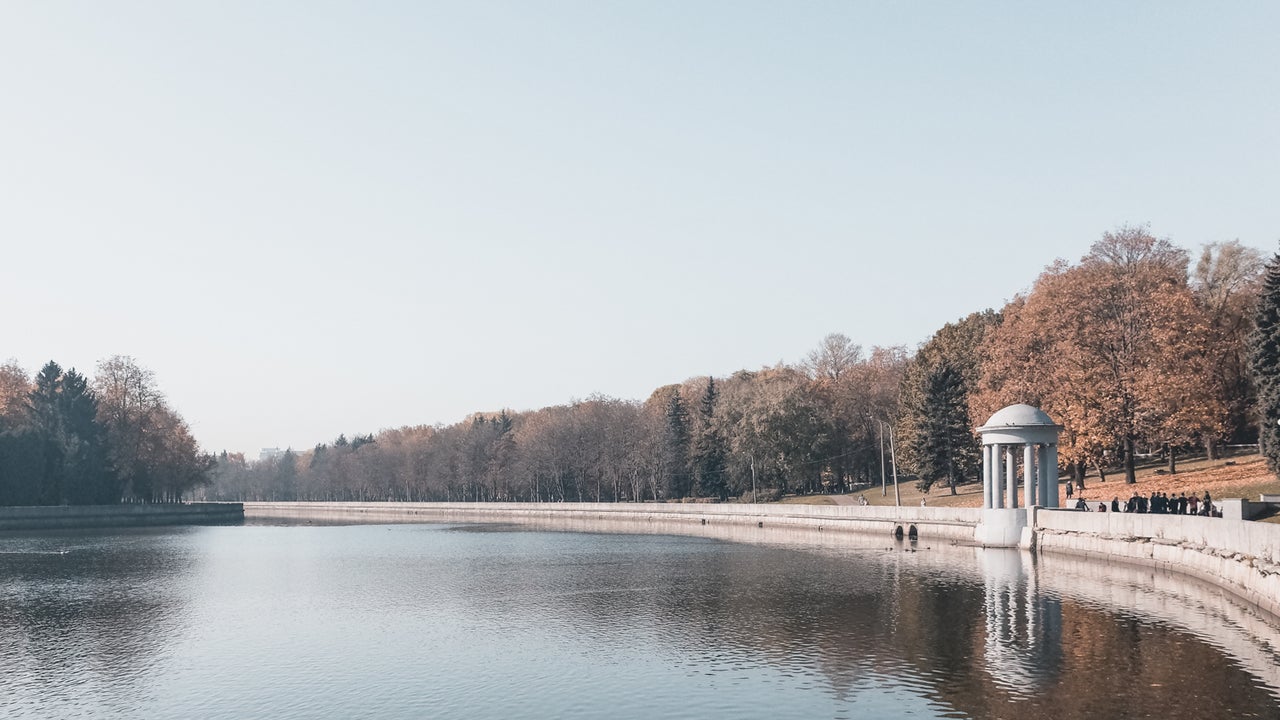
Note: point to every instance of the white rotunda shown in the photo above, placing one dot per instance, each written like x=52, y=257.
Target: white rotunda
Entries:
x=1029, y=428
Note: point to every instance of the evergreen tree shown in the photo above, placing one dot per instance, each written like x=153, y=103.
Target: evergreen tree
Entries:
x=287, y=475
x=64, y=417
x=21, y=459
x=957, y=345
x=1264, y=363
x=708, y=451
x=89, y=479
x=946, y=448
x=676, y=447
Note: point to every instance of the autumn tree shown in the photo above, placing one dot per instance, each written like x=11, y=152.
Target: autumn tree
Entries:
x=129, y=407
x=775, y=420
x=856, y=391
x=1112, y=348
x=153, y=455
x=1226, y=281
x=15, y=386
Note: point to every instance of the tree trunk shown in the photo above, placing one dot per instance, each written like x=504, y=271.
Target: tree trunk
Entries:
x=1210, y=448
x=1130, y=475
x=1173, y=462
x=1077, y=473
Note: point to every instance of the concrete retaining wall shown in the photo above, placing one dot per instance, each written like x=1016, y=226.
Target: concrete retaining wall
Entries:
x=930, y=523
x=1240, y=556
x=90, y=516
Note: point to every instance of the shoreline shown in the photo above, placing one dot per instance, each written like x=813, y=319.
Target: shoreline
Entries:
x=70, y=517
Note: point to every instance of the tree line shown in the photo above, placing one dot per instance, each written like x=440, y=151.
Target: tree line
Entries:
x=1134, y=349
x=67, y=439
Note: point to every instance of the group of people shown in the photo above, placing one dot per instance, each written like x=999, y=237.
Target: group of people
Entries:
x=1161, y=503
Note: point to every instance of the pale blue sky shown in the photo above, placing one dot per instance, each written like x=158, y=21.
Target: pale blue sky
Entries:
x=311, y=218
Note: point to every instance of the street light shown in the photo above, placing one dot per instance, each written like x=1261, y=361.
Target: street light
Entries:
x=893, y=456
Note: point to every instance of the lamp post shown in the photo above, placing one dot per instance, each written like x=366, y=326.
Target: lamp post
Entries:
x=893, y=456
x=883, y=489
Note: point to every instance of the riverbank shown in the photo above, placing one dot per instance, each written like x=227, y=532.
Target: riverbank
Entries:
x=951, y=524
x=63, y=517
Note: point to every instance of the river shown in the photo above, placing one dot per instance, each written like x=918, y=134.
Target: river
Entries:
x=468, y=621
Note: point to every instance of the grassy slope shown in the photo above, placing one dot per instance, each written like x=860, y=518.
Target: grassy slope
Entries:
x=1241, y=476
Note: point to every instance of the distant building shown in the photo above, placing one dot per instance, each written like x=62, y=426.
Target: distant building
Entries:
x=268, y=453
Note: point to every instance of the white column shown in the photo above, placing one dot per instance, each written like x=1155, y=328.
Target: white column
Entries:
x=1048, y=495
x=1041, y=478
x=997, y=476
x=1051, y=467
x=986, y=476
x=1011, y=477
x=1029, y=479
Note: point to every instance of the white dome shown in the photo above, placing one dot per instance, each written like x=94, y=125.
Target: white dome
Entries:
x=1020, y=415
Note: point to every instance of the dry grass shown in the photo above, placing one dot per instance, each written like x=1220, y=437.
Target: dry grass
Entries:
x=1243, y=476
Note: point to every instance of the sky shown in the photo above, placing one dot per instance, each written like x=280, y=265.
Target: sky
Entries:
x=313, y=218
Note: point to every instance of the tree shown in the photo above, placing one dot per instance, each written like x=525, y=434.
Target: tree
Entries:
x=851, y=389
x=708, y=450
x=129, y=408
x=15, y=386
x=956, y=347
x=64, y=417
x=835, y=356
x=287, y=475
x=1264, y=362
x=676, y=447
x=152, y=452
x=944, y=448
x=1226, y=282
x=1113, y=348
x=22, y=458
x=775, y=421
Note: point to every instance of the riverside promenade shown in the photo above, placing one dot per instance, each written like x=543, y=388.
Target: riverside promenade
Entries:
x=1240, y=556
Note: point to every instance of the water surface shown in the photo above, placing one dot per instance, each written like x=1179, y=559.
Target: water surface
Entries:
x=415, y=621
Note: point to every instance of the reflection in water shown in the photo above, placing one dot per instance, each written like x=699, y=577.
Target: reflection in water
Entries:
x=1023, y=650
x=81, y=620
x=486, y=622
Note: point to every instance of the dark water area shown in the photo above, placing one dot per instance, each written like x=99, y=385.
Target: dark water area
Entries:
x=418, y=621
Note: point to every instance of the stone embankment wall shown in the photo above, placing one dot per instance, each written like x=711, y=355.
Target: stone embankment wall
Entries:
x=1242, y=557
x=91, y=516
x=930, y=523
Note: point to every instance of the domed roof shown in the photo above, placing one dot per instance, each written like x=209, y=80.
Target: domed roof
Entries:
x=1020, y=415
